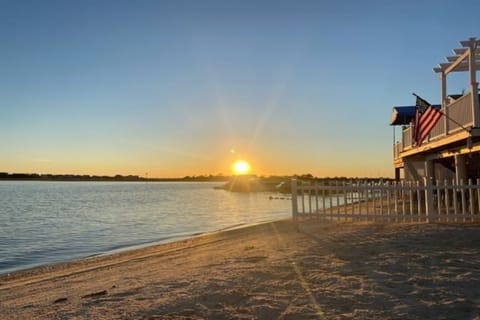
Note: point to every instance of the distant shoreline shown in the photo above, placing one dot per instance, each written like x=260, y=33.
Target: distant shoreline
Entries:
x=4, y=176
x=117, y=178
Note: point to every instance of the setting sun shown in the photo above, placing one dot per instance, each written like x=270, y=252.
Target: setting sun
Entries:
x=241, y=167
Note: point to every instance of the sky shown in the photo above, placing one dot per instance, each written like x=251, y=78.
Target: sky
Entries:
x=177, y=88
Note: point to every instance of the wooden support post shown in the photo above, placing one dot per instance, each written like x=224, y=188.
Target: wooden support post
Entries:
x=443, y=79
x=460, y=168
x=473, y=82
x=397, y=174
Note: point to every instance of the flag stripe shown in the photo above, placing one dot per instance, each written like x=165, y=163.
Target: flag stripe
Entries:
x=425, y=123
x=426, y=117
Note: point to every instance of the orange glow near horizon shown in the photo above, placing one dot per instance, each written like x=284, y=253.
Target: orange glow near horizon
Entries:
x=241, y=167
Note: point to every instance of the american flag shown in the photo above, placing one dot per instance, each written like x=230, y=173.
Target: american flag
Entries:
x=426, y=117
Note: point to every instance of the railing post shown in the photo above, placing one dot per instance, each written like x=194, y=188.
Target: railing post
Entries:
x=419, y=201
x=464, y=201
x=324, y=193
x=395, y=198
x=410, y=194
x=344, y=192
x=447, y=200
x=429, y=208
x=388, y=200
x=337, y=191
x=470, y=199
x=439, y=199
x=294, y=199
x=472, y=70
x=402, y=194
x=478, y=194
x=366, y=191
x=330, y=200
x=310, y=198
x=455, y=199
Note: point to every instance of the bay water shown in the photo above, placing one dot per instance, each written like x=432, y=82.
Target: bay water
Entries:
x=48, y=222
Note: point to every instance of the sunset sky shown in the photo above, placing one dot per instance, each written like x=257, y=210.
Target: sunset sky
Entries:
x=176, y=88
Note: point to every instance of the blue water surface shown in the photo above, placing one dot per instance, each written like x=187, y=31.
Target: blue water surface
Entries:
x=48, y=222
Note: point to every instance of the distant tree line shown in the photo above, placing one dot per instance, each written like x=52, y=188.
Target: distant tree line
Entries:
x=66, y=177
x=118, y=177
x=200, y=178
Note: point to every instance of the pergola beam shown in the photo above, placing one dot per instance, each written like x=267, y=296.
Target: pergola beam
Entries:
x=470, y=43
x=458, y=62
x=459, y=51
x=452, y=58
x=445, y=65
x=462, y=66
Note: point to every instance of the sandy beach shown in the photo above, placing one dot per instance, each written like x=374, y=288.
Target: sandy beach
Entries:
x=316, y=270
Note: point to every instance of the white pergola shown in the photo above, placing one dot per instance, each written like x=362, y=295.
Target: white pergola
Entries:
x=466, y=58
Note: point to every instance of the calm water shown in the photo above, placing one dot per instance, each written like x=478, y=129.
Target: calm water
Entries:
x=47, y=222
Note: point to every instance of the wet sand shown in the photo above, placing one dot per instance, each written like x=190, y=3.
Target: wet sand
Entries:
x=316, y=270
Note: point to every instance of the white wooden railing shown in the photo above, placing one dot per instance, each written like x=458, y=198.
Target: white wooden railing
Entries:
x=397, y=148
x=407, y=138
x=459, y=112
x=443, y=201
x=438, y=130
